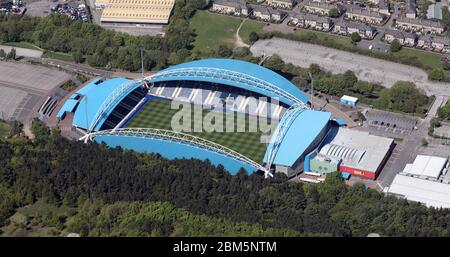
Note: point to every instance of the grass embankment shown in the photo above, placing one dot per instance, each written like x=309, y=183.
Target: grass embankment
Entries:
x=213, y=30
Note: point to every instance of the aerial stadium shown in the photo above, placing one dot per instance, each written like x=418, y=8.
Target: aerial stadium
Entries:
x=138, y=115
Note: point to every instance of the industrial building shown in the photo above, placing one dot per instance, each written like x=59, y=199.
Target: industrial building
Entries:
x=135, y=11
x=101, y=111
x=352, y=151
x=426, y=180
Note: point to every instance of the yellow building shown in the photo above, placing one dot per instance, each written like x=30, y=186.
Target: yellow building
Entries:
x=135, y=11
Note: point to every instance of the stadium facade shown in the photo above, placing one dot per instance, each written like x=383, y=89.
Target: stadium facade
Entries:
x=101, y=111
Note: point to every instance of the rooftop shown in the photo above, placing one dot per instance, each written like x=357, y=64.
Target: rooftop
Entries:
x=400, y=33
x=311, y=17
x=435, y=39
x=435, y=11
x=356, y=25
x=236, y=73
x=300, y=135
x=422, y=22
x=323, y=5
x=349, y=98
x=92, y=98
x=426, y=166
x=431, y=193
x=358, y=149
x=364, y=12
x=144, y=11
x=231, y=3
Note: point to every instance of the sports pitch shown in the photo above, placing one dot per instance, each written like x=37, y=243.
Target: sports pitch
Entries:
x=158, y=114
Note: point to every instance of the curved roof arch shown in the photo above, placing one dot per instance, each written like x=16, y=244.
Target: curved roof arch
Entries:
x=235, y=73
x=98, y=99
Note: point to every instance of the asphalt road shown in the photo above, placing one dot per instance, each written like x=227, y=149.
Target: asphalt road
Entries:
x=337, y=61
x=407, y=151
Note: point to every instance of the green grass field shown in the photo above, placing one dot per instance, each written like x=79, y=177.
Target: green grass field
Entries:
x=248, y=27
x=58, y=56
x=324, y=36
x=158, y=114
x=430, y=59
x=4, y=129
x=213, y=30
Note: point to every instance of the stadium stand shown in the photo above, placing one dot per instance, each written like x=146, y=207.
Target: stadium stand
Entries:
x=103, y=109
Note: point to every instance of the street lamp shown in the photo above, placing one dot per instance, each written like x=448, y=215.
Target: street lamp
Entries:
x=312, y=88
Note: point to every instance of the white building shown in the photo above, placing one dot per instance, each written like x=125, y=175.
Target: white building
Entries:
x=426, y=180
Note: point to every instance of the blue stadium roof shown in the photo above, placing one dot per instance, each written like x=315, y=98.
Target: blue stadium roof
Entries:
x=96, y=94
x=69, y=106
x=172, y=150
x=234, y=73
x=300, y=135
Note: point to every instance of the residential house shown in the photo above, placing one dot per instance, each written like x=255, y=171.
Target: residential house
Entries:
x=419, y=25
x=411, y=9
x=435, y=43
x=286, y=4
x=364, y=15
x=305, y=20
x=267, y=13
x=404, y=38
x=321, y=8
x=348, y=27
x=231, y=7
x=383, y=7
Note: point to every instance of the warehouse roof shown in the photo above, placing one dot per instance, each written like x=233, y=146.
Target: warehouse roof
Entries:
x=358, y=149
x=431, y=193
x=300, y=135
x=233, y=73
x=426, y=166
x=142, y=11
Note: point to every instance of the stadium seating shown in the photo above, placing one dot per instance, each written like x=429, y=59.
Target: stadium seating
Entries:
x=125, y=106
x=219, y=97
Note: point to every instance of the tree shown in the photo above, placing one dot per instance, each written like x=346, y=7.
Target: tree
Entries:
x=78, y=56
x=274, y=62
x=350, y=78
x=12, y=54
x=363, y=87
x=253, y=37
x=436, y=74
x=355, y=37
x=403, y=96
x=444, y=112
x=315, y=69
x=424, y=142
x=395, y=46
x=446, y=65
x=334, y=13
x=224, y=51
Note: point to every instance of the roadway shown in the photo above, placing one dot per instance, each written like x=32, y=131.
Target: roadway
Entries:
x=409, y=148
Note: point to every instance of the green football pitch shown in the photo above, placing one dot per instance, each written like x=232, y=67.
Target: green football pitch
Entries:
x=158, y=114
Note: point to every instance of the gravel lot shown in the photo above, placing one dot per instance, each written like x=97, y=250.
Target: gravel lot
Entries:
x=31, y=77
x=23, y=51
x=337, y=61
x=9, y=101
x=24, y=87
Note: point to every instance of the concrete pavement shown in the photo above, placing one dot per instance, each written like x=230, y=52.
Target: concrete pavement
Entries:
x=366, y=68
